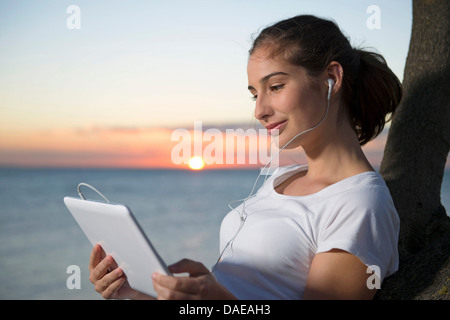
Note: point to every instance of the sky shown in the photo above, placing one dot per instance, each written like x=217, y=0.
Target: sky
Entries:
x=109, y=84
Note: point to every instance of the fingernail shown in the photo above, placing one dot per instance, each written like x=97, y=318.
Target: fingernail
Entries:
x=154, y=275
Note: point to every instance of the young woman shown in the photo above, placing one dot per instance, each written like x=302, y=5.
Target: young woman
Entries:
x=310, y=232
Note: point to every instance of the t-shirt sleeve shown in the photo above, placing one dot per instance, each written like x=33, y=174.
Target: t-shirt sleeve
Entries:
x=365, y=224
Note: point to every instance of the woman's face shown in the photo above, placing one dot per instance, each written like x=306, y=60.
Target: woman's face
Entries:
x=286, y=99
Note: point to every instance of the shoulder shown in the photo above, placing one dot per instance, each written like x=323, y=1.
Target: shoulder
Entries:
x=364, y=222
x=366, y=190
x=364, y=206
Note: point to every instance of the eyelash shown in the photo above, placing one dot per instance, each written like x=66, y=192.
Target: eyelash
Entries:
x=272, y=89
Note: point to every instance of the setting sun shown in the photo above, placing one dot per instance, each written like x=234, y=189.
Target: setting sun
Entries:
x=196, y=163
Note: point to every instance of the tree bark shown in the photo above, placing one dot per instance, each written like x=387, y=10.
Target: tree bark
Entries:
x=415, y=155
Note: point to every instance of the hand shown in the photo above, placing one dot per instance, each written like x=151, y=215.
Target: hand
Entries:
x=200, y=284
x=108, y=279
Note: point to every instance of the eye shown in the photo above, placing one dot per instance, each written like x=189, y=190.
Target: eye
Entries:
x=254, y=97
x=276, y=88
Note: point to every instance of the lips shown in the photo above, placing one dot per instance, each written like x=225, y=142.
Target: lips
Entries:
x=275, y=126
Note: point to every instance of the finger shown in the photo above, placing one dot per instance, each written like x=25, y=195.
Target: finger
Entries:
x=194, y=268
x=113, y=265
x=111, y=291
x=165, y=293
x=95, y=256
x=179, y=284
x=101, y=269
x=104, y=283
x=162, y=292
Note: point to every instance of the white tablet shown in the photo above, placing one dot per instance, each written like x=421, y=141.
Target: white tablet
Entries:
x=114, y=227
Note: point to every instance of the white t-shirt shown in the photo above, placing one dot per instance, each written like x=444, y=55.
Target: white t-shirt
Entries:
x=271, y=255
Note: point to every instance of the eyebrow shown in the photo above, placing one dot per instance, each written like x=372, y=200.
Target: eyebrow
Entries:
x=267, y=77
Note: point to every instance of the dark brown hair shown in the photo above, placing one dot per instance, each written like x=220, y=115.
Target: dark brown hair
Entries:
x=371, y=91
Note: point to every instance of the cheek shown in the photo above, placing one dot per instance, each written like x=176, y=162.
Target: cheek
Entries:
x=288, y=103
x=303, y=113
x=307, y=104
x=297, y=106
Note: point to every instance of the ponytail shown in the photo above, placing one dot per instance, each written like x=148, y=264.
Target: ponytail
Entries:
x=371, y=91
x=378, y=94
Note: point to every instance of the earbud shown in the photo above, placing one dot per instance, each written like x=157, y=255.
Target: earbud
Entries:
x=330, y=88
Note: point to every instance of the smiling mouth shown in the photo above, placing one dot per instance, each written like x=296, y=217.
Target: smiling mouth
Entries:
x=275, y=126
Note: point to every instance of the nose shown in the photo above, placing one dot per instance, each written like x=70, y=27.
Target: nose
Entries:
x=263, y=110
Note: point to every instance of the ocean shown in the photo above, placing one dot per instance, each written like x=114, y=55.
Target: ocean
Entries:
x=180, y=211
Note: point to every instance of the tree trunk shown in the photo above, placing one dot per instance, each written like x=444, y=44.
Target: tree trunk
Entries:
x=415, y=155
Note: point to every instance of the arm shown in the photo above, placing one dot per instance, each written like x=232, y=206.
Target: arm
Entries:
x=337, y=274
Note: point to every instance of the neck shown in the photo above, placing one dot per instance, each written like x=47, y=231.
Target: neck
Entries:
x=336, y=156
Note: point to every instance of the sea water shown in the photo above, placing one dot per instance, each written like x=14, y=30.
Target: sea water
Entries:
x=180, y=211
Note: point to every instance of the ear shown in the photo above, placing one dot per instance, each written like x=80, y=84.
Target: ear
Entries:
x=336, y=72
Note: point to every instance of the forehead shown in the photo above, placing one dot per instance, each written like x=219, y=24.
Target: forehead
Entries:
x=261, y=64
x=259, y=61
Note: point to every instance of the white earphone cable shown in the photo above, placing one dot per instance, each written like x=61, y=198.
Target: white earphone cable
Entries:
x=91, y=187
